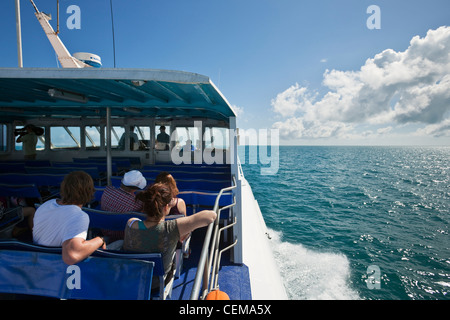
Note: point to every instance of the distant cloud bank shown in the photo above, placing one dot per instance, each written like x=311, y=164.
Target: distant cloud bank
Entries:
x=391, y=90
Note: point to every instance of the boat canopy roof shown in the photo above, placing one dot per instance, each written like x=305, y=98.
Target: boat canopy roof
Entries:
x=27, y=93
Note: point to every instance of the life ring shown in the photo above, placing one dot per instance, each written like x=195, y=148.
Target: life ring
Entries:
x=217, y=295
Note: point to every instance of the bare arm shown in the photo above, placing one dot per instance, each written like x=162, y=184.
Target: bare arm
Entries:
x=181, y=205
x=198, y=220
x=77, y=249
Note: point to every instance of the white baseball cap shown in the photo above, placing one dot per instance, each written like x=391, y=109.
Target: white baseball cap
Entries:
x=134, y=178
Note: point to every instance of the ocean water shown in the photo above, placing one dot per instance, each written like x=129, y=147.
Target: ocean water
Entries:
x=358, y=222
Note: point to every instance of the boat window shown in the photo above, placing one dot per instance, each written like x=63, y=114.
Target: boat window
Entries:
x=162, y=143
x=92, y=136
x=65, y=137
x=216, y=138
x=143, y=134
x=139, y=138
x=183, y=134
x=3, y=137
x=116, y=134
x=40, y=145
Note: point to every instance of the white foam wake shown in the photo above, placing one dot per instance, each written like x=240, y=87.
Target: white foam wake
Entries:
x=311, y=275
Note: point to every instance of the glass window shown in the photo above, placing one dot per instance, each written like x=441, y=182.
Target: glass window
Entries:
x=162, y=138
x=118, y=137
x=40, y=145
x=185, y=136
x=139, y=137
x=217, y=138
x=65, y=137
x=92, y=134
x=143, y=133
x=3, y=137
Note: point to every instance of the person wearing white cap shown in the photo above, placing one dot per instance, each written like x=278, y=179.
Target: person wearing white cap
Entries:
x=134, y=179
x=122, y=199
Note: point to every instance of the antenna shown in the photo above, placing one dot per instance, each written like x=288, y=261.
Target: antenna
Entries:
x=112, y=27
x=57, y=16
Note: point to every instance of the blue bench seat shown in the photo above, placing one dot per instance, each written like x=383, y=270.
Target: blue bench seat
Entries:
x=36, y=270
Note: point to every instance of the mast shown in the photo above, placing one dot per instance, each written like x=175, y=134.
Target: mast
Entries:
x=64, y=56
x=19, y=35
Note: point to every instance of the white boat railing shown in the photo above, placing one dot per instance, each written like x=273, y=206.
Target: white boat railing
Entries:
x=212, y=260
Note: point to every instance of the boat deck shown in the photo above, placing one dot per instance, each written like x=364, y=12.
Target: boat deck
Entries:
x=234, y=279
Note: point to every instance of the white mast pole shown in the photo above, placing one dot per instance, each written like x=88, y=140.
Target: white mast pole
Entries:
x=19, y=34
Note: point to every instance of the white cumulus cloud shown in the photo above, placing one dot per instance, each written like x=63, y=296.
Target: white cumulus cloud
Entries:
x=391, y=89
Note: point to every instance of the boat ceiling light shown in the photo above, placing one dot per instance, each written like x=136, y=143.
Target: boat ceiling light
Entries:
x=132, y=110
x=138, y=83
x=67, y=95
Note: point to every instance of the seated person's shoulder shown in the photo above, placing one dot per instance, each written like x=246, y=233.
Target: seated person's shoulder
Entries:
x=133, y=223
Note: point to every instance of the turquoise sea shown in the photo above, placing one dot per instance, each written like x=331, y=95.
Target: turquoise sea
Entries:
x=358, y=222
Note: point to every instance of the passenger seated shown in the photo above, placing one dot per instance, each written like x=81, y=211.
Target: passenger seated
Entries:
x=123, y=199
x=178, y=205
x=62, y=222
x=24, y=228
x=156, y=234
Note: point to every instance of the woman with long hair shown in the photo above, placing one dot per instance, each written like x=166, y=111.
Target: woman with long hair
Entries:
x=156, y=234
x=179, y=206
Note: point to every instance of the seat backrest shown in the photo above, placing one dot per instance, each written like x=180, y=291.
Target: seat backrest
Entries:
x=92, y=170
x=8, y=219
x=121, y=162
x=156, y=258
x=19, y=190
x=95, y=203
x=152, y=174
x=134, y=161
x=39, y=179
x=205, y=198
x=36, y=270
x=9, y=167
x=191, y=168
x=201, y=185
x=110, y=220
x=37, y=163
x=116, y=181
x=96, y=162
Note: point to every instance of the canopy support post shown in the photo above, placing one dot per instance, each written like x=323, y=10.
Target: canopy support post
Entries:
x=108, y=146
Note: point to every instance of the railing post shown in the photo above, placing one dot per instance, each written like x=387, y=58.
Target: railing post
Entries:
x=201, y=264
x=237, y=212
x=203, y=267
x=236, y=173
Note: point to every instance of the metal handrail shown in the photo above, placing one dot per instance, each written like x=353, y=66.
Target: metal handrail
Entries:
x=214, y=248
x=204, y=254
x=218, y=256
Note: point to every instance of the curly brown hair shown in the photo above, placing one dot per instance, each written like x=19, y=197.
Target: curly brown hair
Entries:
x=155, y=198
x=166, y=178
x=77, y=188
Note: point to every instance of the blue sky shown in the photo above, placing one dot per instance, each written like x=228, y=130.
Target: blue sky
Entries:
x=311, y=69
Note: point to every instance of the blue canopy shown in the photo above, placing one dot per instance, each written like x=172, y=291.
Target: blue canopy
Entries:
x=62, y=93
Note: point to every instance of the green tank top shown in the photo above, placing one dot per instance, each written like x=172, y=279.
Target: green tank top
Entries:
x=161, y=238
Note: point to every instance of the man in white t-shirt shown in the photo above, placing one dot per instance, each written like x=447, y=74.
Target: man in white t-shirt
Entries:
x=62, y=223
